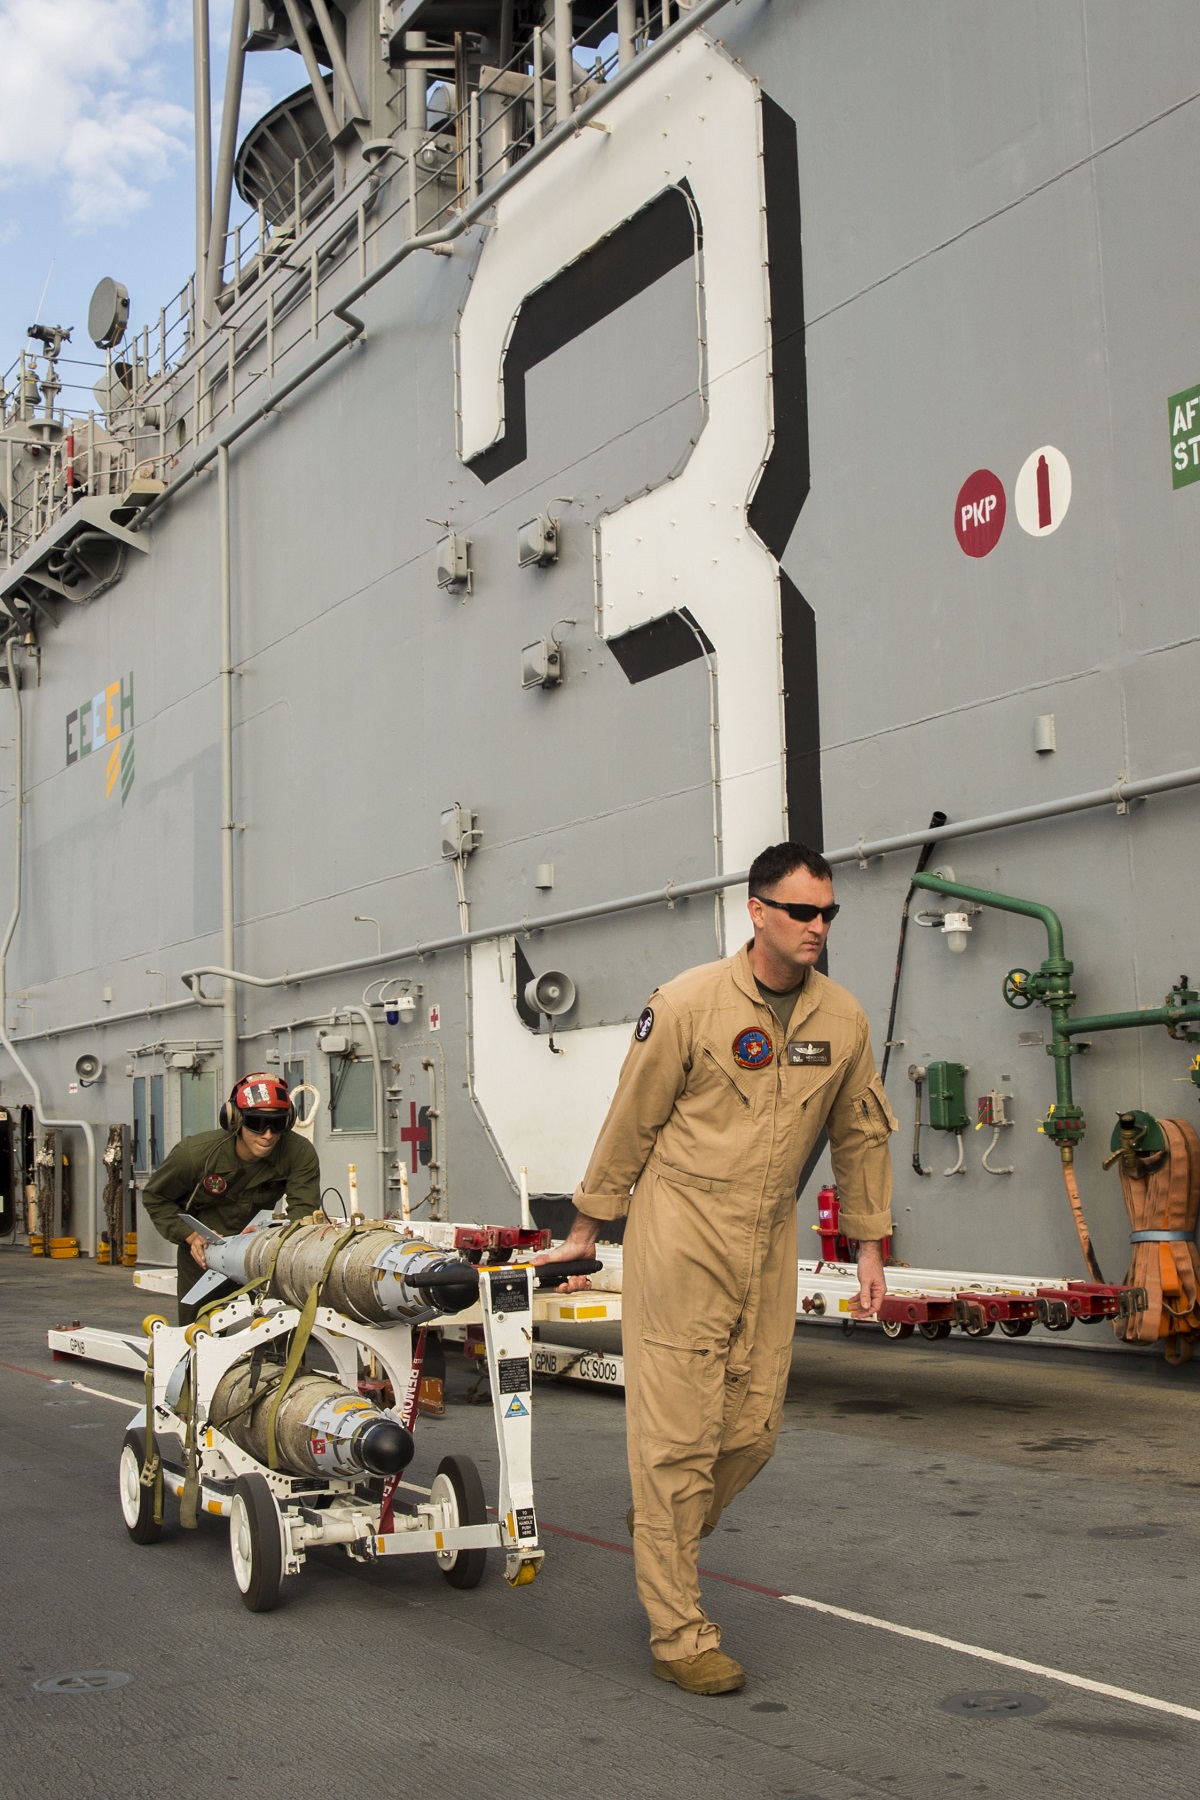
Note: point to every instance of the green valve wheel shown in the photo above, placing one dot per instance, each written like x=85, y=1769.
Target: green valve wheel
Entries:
x=1016, y=989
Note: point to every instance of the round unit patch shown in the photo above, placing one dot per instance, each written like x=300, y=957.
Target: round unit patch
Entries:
x=645, y=1025
x=214, y=1184
x=752, y=1049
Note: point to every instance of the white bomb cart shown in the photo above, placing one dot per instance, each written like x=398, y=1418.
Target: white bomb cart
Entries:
x=237, y=1426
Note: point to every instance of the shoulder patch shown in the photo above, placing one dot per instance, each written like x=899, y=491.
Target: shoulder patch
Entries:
x=752, y=1049
x=645, y=1024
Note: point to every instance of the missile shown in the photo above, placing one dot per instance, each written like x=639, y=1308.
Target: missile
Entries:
x=376, y=1277
x=322, y=1427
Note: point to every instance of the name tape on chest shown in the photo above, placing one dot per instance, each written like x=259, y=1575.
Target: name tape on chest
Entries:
x=809, y=1052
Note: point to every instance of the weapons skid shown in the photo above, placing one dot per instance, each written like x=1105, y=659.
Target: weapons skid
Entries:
x=236, y=1427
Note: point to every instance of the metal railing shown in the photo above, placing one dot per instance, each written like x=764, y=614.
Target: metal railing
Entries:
x=172, y=384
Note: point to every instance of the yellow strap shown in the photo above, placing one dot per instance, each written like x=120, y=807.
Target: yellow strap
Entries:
x=300, y=1339
x=189, y=1504
x=152, y=1475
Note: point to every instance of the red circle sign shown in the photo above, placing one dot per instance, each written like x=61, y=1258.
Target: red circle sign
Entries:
x=979, y=513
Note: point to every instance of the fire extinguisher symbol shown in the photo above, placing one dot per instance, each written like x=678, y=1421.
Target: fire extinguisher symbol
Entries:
x=1043, y=491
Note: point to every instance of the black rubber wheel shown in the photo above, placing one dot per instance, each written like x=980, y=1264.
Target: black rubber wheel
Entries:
x=137, y=1502
x=896, y=1328
x=457, y=1480
x=980, y=1331
x=934, y=1329
x=256, y=1543
x=1016, y=1327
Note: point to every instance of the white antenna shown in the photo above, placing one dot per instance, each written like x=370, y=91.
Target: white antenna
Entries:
x=37, y=317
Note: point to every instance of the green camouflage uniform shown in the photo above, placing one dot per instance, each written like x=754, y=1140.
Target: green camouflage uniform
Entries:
x=292, y=1169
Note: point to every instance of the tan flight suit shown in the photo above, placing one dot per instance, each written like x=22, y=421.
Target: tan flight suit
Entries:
x=713, y=1151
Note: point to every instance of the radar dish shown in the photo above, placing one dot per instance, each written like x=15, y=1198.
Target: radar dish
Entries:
x=108, y=313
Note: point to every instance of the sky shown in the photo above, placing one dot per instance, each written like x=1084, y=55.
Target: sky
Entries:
x=97, y=158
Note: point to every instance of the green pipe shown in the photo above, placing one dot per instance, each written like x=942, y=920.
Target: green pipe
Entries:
x=1065, y=1123
x=1004, y=903
x=1129, y=1021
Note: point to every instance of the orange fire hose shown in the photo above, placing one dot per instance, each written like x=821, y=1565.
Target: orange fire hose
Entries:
x=1081, y=1226
x=1162, y=1194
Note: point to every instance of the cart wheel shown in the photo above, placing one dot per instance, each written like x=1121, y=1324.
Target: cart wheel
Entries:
x=896, y=1328
x=978, y=1331
x=137, y=1502
x=934, y=1329
x=457, y=1482
x=256, y=1543
x=1016, y=1327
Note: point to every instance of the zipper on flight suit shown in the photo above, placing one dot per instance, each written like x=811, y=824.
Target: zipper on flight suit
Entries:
x=744, y=1098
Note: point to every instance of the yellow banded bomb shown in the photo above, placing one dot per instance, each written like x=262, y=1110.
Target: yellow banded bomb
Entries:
x=322, y=1427
x=376, y=1277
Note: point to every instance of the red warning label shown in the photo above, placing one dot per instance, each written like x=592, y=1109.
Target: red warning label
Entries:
x=979, y=513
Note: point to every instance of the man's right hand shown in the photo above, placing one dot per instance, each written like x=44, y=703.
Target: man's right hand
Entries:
x=196, y=1245
x=579, y=1245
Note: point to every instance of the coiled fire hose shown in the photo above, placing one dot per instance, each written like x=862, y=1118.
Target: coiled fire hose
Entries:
x=1162, y=1198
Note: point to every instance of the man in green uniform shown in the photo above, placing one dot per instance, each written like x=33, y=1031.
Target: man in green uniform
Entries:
x=223, y=1178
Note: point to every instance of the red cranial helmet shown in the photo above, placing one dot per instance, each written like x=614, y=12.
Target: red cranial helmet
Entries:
x=257, y=1093
x=261, y=1093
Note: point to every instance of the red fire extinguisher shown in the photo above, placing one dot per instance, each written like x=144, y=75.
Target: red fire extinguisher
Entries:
x=836, y=1247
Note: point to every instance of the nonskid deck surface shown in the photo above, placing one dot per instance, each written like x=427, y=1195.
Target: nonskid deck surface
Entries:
x=1032, y=1506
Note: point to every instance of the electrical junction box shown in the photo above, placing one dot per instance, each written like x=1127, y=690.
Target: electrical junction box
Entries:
x=946, y=1084
x=454, y=563
x=459, y=834
x=333, y=1043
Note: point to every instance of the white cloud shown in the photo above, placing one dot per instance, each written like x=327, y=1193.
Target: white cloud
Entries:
x=86, y=99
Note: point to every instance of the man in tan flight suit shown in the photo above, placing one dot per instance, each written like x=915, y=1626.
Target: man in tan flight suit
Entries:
x=734, y=1069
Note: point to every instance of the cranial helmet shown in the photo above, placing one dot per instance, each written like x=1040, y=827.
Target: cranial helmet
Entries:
x=259, y=1092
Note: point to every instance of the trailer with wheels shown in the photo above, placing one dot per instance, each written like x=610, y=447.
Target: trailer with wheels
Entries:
x=237, y=1426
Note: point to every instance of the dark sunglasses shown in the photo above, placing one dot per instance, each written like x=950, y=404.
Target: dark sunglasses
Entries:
x=796, y=909
x=261, y=1123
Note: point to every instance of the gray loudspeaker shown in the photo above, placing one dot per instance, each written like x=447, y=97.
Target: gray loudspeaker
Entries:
x=552, y=993
x=89, y=1070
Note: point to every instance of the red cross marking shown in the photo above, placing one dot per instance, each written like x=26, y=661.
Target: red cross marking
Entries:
x=413, y=1134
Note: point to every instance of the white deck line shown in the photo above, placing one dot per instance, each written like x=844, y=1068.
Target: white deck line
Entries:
x=997, y=1657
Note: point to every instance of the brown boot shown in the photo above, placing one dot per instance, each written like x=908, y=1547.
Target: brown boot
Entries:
x=712, y=1672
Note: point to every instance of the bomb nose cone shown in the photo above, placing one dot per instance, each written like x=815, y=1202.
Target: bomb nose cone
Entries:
x=384, y=1447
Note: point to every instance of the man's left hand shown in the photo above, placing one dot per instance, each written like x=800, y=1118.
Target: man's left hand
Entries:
x=872, y=1285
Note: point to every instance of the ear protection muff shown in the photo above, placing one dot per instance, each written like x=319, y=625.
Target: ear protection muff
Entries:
x=231, y=1116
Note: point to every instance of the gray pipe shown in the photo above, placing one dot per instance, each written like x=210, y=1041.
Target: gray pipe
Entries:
x=43, y=1118
x=214, y=273
x=685, y=890
x=201, y=51
x=337, y=56
x=316, y=77
x=229, y=1041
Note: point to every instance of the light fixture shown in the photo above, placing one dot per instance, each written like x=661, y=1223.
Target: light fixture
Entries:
x=541, y=664
x=956, y=928
x=537, y=542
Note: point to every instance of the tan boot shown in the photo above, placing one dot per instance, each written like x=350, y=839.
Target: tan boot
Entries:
x=712, y=1672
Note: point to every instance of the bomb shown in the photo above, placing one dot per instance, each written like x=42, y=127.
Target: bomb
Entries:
x=322, y=1428
x=376, y=1276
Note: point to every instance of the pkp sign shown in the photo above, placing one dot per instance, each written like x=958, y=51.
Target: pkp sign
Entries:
x=979, y=513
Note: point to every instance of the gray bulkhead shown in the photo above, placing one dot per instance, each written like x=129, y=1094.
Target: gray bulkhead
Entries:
x=995, y=258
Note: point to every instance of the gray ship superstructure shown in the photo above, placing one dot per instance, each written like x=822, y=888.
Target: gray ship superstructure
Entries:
x=611, y=442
